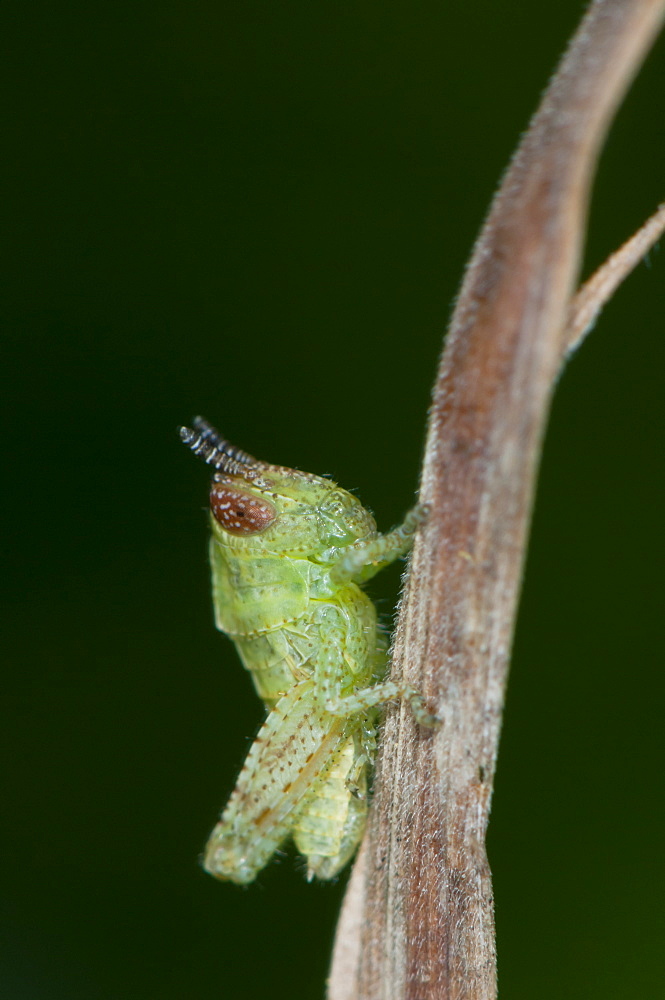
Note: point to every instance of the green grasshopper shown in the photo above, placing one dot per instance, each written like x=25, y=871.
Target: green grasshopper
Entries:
x=288, y=552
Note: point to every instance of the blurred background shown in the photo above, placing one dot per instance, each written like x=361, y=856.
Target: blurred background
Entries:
x=260, y=212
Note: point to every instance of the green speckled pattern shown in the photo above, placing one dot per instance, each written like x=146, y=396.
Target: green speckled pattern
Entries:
x=288, y=552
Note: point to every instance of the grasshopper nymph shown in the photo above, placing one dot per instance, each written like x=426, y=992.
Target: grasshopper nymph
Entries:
x=288, y=552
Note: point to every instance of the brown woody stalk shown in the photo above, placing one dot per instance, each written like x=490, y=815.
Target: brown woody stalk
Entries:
x=417, y=922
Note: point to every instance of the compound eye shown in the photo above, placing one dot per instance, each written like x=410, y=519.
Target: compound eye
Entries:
x=240, y=513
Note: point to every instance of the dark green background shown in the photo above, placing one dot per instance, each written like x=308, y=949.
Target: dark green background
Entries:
x=260, y=211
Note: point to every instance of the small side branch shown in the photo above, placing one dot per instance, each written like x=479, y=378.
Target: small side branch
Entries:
x=603, y=283
x=418, y=919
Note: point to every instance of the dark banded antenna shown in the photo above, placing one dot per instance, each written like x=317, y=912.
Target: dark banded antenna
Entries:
x=212, y=434
x=206, y=442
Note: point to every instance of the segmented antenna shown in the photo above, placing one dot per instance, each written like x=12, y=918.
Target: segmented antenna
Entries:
x=212, y=434
x=207, y=442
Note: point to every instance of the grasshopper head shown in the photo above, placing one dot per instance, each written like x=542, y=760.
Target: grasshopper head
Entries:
x=270, y=507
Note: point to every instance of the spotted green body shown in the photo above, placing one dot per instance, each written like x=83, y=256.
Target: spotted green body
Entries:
x=289, y=551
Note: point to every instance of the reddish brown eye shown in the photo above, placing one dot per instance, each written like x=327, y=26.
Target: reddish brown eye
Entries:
x=240, y=513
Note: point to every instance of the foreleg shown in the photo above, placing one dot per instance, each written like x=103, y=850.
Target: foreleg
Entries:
x=362, y=560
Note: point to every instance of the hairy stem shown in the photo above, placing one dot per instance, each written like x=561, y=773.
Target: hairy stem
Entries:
x=418, y=919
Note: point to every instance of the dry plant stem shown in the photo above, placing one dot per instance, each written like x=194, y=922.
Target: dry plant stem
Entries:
x=601, y=286
x=418, y=920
